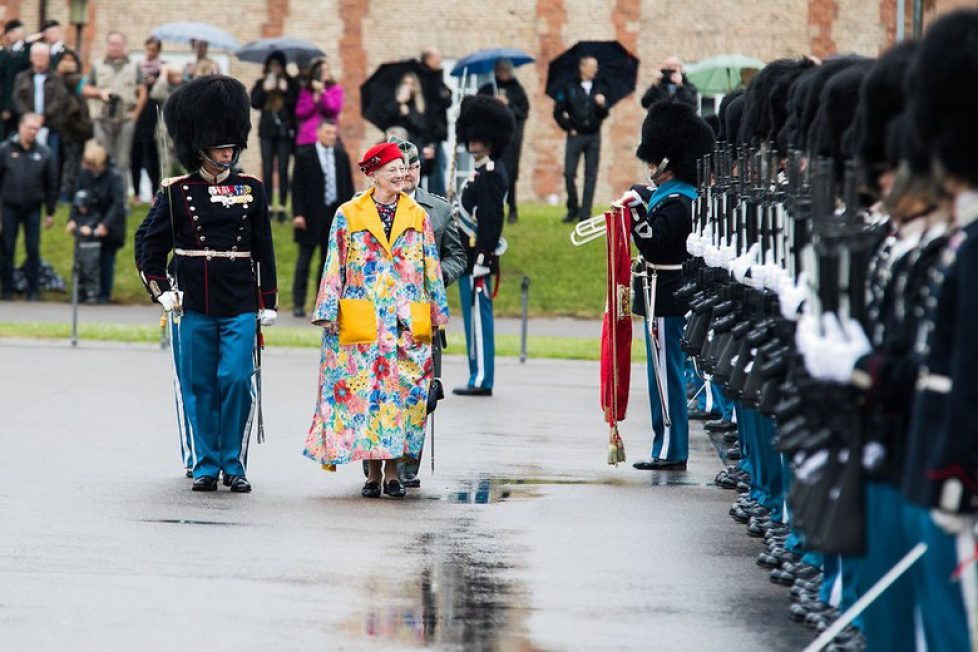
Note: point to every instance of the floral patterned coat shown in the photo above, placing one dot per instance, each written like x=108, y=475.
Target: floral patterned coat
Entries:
x=379, y=302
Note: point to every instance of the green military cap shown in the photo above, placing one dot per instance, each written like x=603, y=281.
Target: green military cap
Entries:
x=409, y=149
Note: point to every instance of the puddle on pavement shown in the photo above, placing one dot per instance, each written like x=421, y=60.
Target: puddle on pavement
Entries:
x=185, y=521
x=460, y=599
x=483, y=491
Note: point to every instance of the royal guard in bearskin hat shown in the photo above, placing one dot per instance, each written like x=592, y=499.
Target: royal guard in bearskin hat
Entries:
x=674, y=138
x=485, y=126
x=215, y=223
x=945, y=411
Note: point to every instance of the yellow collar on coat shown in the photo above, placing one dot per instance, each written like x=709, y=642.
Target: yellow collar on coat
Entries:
x=361, y=215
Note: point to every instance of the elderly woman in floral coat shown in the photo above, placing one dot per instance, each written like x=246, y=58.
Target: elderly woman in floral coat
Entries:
x=380, y=299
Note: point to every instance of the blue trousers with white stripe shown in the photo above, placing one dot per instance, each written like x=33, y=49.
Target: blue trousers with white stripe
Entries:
x=217, y=369
x=183, y=425
x=480, y=343
x=947, y=606
x=670, y=443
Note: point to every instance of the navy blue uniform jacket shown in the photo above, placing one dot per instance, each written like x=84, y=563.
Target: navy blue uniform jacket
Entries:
x=230, y=215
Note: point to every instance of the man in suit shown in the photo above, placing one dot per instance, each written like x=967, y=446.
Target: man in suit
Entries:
x=580, y=109
x=321, y=182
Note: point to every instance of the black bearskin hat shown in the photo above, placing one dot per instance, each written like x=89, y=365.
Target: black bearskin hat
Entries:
x=760, y=114
x=208, y=112
x=825, y=72
x=778, y=98
x=836, y=112
x=713, y=122
x=791, y=137
x=733, y=117
x=722, y=113
x=945, y=93
x=487, y=120
x=882, y=98
x=673, y=130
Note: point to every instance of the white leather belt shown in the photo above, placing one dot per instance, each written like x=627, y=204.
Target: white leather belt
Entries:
x=934, y=383
x=664, y=268
x=211, y=253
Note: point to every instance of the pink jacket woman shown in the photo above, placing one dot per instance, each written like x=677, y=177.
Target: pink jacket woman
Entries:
x=321, y=98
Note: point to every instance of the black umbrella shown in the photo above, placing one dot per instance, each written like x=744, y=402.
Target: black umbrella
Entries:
x=617, y=69
x=294, y=49
x=381, y=86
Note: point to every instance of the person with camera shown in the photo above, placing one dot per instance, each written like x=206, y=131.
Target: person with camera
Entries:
x=320, y=98
x=117, y=82
x=28, y=181
x=98, y=216
x=670, y=83
x=580, y=109
x=274, y=94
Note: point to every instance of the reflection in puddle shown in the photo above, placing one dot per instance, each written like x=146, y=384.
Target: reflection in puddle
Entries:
x=185, y=521
x=493, y=490
x=460, y=599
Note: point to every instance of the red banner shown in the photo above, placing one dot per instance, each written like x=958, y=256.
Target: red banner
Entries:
x=616, y=332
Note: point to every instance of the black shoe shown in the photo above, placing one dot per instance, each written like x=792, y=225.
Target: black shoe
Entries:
x=394, y=489
x=720, y=425
x=299, y=312
x=225, y=479
x=240, y=485
x=411, y=481
x=731, y=438
x=660, y=465
x=512, y=217
x=570, y=217
x=189, y=473
x=370, y=490
x=205, y=483
x=468, y=390
x=767, y=561
x=702, y=415
x=733, y=453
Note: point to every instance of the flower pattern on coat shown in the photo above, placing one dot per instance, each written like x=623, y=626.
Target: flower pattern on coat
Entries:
x=372, y=395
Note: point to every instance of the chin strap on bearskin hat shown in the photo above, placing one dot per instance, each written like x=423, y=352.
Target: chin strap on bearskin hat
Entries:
x=207, y=113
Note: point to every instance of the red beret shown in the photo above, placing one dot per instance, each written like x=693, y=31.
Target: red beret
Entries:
x=378, y=156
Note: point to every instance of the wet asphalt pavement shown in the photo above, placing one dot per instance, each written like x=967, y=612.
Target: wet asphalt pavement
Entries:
x=524, y=539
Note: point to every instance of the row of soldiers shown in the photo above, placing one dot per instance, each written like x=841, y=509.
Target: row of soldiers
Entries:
x=833, y=248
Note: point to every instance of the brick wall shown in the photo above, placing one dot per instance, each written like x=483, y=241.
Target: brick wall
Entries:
x=358, y=35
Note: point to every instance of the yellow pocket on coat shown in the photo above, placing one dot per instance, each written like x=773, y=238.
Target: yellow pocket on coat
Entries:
x=358, y=321
x=421, y=321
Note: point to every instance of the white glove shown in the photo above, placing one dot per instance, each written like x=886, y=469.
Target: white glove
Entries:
x=952, y=524
x=833, y=355
x=631, y=199
x=711, y=255
x=727, y=255
x=170, y=299
x=267, y=316
x=792, y=295
x=479, y=269
x=739, y=266
x=692, y=242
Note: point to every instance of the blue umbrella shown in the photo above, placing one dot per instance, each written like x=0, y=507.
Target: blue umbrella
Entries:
x=186, y=32
x=293, y=49
x=484, y=61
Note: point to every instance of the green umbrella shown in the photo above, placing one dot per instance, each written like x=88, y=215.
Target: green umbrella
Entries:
x=720, y=75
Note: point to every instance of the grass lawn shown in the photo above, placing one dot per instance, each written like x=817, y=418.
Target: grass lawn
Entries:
x=566, y=348
x=564, y=280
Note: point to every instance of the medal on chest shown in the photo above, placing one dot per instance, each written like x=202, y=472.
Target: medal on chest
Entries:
x=230, y=196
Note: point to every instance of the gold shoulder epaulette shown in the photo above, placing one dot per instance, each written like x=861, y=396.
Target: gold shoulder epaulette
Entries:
x=169, y=181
